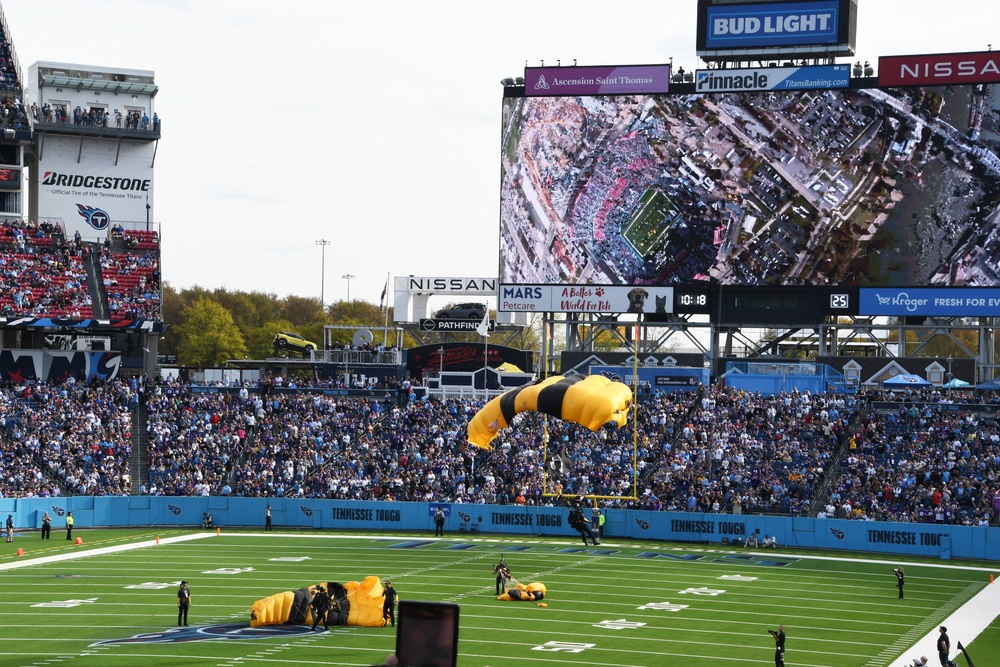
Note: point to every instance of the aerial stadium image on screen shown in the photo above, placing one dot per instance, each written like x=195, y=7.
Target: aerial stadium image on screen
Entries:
x=869, y=187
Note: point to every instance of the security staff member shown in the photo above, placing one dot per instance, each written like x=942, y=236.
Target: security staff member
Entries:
x=439, y=522
x=389, y=606
x=899, y=581
x=69, y=525
x=183, y=603
x=779, y=646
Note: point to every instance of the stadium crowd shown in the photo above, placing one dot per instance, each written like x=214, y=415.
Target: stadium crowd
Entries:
x=43, y=274
x=920, y=463
x=40, y=274
x=131, y=281
x=12, y=114
x=71, y=437
x=718, y=450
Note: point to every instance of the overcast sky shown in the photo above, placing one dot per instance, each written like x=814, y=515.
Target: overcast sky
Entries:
x=374, y=124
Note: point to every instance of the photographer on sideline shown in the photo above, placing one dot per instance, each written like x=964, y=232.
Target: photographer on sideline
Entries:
x=779, y=646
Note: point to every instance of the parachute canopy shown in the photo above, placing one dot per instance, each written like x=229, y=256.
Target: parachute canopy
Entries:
x=590, y=401
x=354, y=603
x=533, y=592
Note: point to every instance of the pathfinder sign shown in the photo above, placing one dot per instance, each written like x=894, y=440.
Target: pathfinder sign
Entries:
x=454, y=325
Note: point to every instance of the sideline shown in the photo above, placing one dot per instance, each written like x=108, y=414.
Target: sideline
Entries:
x=100, y=551
x=964, y=625
x=967, y=623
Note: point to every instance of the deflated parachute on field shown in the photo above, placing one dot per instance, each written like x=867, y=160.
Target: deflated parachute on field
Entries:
x=590, y=401
x=354, y=603
x=532, y=592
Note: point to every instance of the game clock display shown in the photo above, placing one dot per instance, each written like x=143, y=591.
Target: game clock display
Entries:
x=692, y=300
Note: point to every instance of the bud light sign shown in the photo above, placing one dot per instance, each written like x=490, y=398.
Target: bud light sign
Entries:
x=776, y=24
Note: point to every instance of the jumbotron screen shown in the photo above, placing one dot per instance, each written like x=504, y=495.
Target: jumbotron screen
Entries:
x=842, y=187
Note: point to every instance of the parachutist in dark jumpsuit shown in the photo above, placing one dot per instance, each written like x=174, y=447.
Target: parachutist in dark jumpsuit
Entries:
x=503, y=575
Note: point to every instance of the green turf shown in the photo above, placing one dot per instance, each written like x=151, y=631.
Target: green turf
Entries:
x=987, y=645
x=651, y=222
x=713, y=608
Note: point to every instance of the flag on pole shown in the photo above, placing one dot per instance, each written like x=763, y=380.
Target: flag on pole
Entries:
x=385, y=291
x=484, y=327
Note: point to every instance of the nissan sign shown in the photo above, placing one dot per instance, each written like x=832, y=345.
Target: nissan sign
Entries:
x=940, y=69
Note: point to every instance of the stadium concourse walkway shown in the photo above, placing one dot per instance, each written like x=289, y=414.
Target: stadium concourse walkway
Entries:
x=95, y=283
x=964, y=625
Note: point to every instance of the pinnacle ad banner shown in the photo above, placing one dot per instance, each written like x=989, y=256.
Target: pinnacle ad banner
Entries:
x=614, y=80
x=105, y=187
x=772, y=78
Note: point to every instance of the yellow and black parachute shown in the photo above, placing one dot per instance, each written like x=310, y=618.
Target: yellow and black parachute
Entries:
x=533, y=592
x=590, y=401
x=354, y=603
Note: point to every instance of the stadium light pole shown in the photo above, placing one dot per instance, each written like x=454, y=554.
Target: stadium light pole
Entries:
x=322, y=243
x=349, y=277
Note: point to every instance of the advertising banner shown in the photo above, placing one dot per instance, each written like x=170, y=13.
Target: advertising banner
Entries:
x=54, y=366
x=658, y=377
x=10, y=179
x=93, y=189
x=772, y=78
x=455, y=325
x=929, y=302
x=901, y=539
x=615, y=80
x=939, y=69
x=586, y=299
x=442, y=285
x=464, y=357
x=772, y=24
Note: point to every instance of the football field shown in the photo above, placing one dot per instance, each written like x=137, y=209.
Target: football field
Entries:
x=650, y=223
x=111, y=602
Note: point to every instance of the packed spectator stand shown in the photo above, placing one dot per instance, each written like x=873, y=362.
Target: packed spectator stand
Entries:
x=12, y=112
x=132, y=278
x=44, y=274
x=918, y=460
x=70, y=438
x=715, y=450
x=40, y=273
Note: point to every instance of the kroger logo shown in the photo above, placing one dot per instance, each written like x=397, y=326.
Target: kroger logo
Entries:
x=902, y=299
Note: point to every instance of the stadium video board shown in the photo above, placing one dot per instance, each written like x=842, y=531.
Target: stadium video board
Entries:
x=829, y=191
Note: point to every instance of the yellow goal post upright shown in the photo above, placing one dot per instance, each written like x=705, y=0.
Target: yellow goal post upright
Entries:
x=546, y=338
